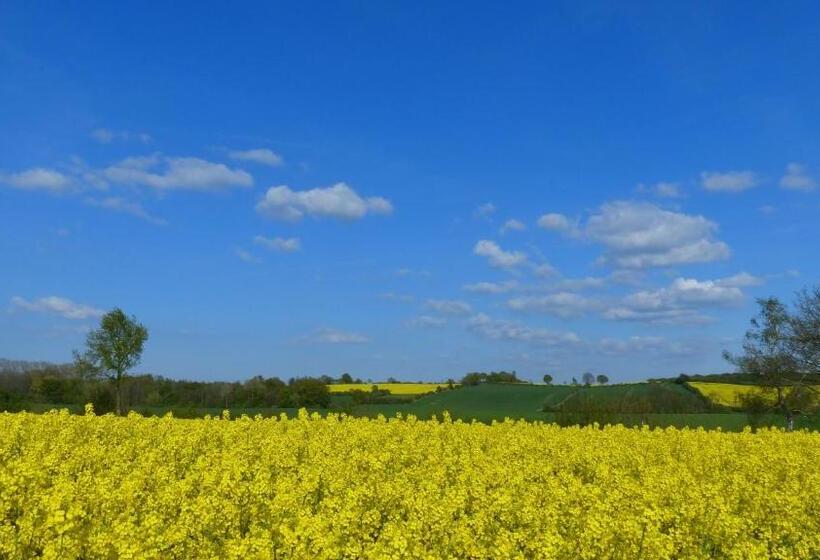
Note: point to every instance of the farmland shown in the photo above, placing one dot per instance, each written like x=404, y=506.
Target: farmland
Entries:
x=82, y=486
x=393, y=388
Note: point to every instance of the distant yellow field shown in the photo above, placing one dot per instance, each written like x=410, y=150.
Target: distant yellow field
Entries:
x=727, y=394
x=394, y=388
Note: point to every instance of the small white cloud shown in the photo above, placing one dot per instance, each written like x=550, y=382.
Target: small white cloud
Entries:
x=279, y=244
x=663, y=189
x=176, y=173
x=405, y=271
x=497, y=257
x=117, y=204
x=512, y=225
x=426, y=322
x=338, y=201
x=106, y=136
x=334, y=336
x=261, y=156
x=485, y=210
x=247, y=256
x=496, y=329
x=59, y=306
x=728, y=181
x=491, y=287
x=556, y=222
x=448, y=306
x=797, y=179
x=544, y=270
x=37, y=179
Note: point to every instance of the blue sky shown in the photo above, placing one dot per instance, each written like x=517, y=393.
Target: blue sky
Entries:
x=414, y=190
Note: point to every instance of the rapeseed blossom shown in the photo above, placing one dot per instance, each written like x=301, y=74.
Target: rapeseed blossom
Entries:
x=340, y=487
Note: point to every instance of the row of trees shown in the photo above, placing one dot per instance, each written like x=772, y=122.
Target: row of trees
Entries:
x=587, y=379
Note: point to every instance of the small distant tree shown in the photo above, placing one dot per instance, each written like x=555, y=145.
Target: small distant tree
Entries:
x=781, y=353
x=574, y=381
x=547, y=379
x=588, y=378
x=112, y=350
x=346, y=378
x=602, y=379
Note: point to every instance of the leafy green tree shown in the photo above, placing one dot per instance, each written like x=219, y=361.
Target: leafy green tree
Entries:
x=547, y=379
x=588, y=378
x=113, y=349
x=602, y=379
x=780, y=354
x=346, y=378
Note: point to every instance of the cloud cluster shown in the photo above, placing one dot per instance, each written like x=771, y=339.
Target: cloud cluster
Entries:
x=176, y=173
x=642, y=235
x=491, y=287
x=61, y=306
x=106, y=136
x=334, y=336
x=497, y=257
x=337, y=201
x=682, y=300
x=119, y=204
x=560, y=304
x=499, y=329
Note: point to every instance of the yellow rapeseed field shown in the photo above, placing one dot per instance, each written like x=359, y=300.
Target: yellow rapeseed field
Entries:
x=91, y=487
x=728, y=394
x=394, y=388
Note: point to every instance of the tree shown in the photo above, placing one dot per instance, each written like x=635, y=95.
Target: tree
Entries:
x=588, y=378
x=780, y=353
x=602, y=379
x=547, y=379
x=113, y=349
x=346, y=379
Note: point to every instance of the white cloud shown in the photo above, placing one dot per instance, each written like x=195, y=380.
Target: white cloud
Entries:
x=580, y=284
x=176, y=173
x=561, y=304
x=262, y=156
x=662, y=189
x=544, y=270
x=338, y=201
x=642, y=345
x=412, y=272
x=497, y=257
x=448, y=306
x=797, y=179
x=485, y=210
x=37, y=179
x=280, y=244
x=512, y=225
x=728, y=181
x=247, y=256
x=557, y=222
x=426, y=321
x=106, y=136
x=334, y=336
x=681, y=300
x=491, y=287
x=642, y=235
x=117, y=204
x=497, y=329
x=59, y=306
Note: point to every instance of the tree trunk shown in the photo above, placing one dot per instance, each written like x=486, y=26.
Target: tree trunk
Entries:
x=789, y=421
x=118, y=385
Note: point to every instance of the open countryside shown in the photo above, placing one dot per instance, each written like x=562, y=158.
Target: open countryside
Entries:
x=409, y=280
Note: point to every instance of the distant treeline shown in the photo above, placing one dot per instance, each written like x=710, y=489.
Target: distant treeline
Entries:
x=59, y=384
x=737, y=378
x=476, y=377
